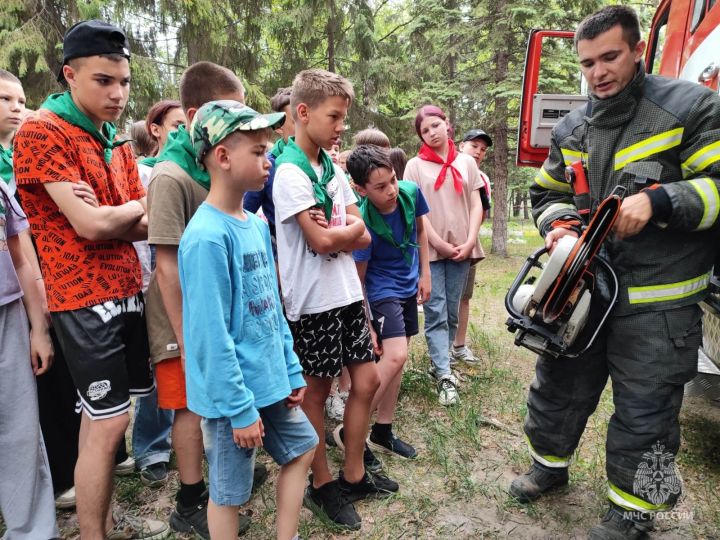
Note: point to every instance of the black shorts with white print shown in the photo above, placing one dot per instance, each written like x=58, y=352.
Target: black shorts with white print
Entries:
x=327, y=341
x=106, y=349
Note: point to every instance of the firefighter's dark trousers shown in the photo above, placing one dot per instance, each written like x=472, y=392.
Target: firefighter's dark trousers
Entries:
x=649, y=357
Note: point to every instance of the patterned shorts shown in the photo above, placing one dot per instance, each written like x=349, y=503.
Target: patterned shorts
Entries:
x=327, y=341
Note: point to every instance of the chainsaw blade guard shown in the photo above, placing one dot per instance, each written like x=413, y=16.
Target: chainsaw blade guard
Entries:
x=561, y=312
x=580, y=258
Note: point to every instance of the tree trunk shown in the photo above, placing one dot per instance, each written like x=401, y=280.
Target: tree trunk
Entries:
x=501, y=58
x=331, y=35
x=525, y=205
x=518, y=203
x=500, y=156
x=452, y=61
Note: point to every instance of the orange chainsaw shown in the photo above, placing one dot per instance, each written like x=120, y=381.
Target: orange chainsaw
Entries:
x=561, y=311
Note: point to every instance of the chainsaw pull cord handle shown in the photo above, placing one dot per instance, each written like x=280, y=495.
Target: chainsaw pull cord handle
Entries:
x=576, y=173
x=576, y=176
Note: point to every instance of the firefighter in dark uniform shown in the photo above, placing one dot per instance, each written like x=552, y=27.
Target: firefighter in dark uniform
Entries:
x=660, y=139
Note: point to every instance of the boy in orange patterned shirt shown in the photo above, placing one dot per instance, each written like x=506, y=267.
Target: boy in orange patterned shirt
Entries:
x=91, y=271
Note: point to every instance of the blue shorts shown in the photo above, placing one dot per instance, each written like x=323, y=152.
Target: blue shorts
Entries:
x=288, y=435
x=395, y=317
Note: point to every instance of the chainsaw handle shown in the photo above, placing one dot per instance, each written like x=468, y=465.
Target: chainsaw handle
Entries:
x=533, y=261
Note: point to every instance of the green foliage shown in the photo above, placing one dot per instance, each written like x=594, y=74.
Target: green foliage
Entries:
x=466, y=56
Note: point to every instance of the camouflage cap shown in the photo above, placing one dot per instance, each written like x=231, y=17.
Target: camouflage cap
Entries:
x=217, y=119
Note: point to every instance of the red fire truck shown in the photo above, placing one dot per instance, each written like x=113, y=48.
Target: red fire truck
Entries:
x=684, y=43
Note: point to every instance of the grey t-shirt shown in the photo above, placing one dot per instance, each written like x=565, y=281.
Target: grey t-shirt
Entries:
x=12, y=222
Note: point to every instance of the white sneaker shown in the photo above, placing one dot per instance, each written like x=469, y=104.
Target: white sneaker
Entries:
x=126, y=467
x=447, y=390
x=129, y=527
x=463, y=354
x=433, y=374
x=335, y=407
x=66, y=500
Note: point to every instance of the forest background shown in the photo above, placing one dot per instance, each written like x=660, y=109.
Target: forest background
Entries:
x=465, y=56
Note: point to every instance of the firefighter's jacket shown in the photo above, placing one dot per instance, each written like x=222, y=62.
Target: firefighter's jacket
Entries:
x=657, y=134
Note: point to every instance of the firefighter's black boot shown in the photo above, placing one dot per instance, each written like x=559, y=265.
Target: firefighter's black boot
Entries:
x=621, y=525
x=538, y=480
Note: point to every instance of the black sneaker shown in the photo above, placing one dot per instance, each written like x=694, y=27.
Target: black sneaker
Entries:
x=370, y=460
x=538, y=480
x=193, y=519
x=260, y=474
x=328, y=502
x=154, y=475
x=615, y=526
x=393, y=446
x=371, y=485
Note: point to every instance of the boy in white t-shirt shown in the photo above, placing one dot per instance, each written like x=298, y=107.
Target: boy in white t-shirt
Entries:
x=318, y=226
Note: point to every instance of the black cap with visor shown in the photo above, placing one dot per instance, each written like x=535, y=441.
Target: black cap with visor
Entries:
x=477, y=134
x=93, y=38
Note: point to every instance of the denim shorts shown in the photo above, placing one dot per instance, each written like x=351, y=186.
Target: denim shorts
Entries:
x=288, y=435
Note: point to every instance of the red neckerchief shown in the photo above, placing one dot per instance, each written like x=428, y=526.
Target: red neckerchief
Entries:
x=428, y=154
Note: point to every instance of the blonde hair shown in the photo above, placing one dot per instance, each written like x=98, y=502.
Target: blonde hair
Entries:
x=7, y=76
x=313, y=86
x=371, y=136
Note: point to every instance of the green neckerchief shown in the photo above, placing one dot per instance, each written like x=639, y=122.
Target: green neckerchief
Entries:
x=179, y=149
x=293, y=154
x=278, y=147
x=63, y=105
x=407, y=197
x=6, y=163
x=149, y=161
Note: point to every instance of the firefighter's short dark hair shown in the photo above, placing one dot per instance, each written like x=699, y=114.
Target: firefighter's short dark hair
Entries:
x=607, y=17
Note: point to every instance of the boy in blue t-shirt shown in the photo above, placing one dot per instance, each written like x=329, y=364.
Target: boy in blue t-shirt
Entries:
x=395, y=270
x=242, y=374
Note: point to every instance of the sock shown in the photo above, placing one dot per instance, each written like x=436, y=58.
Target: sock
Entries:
x=190, y=494
x=382, y=431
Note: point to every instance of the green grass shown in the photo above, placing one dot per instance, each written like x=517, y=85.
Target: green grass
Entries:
x=456, y=486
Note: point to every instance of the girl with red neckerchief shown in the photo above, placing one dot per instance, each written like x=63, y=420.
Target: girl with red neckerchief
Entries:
x=451, y=184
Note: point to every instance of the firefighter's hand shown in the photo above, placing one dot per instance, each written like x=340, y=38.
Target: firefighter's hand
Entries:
x=635, y=213
x=251, y=436
x=551, y=238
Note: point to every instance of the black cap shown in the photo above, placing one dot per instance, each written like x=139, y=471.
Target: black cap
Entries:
x=92, y=38
x=477, y=134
